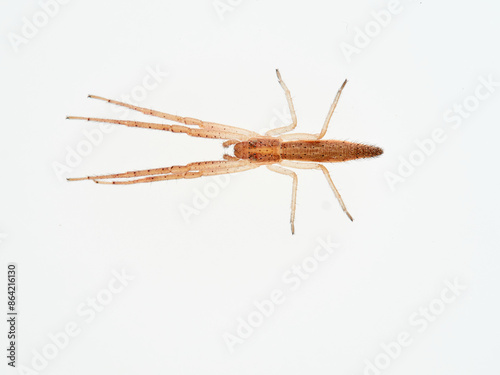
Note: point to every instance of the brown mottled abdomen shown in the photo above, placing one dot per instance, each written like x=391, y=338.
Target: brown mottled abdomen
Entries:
x=327, y=151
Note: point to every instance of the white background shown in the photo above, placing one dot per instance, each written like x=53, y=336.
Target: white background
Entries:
x=196, y=279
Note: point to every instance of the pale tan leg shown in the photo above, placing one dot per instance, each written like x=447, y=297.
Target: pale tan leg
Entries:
x=297, y=136
x=293, y=175
x=294, y=164
x=174, y=170
x=193, y=132
x=145, y=172
x=229, y=157
x=284, y=129
x=184, y=120
x=231, y=142
x=195, y=170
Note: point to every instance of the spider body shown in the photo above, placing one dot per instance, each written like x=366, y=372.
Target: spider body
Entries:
x=276, y=150
x=272, y=150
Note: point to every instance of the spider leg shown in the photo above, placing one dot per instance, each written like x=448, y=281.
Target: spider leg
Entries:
x=193, y=132
x=145, y=172
x=296, y=136
x=229, y=157
x=293, y=175
x=284, y=129
x=192, y=170
x=231, y=142
x=244, y=133
x=294, y=164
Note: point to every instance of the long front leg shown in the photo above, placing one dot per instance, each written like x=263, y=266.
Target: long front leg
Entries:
x=284, y=129
x=184, y=120
x=293, y=175
x=200, y=172
x=294, y=164
x=193, y=132
x=308, y=136
x=191, y=170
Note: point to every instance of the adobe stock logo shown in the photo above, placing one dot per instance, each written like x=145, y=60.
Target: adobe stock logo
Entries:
x=427, y=146
x=292, y=280
x=419, y=321
x=372, y=29
x=59, y=340
x=31, y=26
x=94, y=137
x=221, y=7
x=215, y=185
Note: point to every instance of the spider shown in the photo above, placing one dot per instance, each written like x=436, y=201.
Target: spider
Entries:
x=275, y=149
